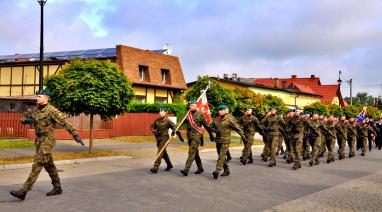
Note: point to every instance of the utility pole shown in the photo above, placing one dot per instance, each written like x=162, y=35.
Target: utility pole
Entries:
x=41, y=74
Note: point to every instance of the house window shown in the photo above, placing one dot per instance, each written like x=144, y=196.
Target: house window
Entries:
x=165, y=76
x=140, y=98
x=144, y=73
x=160, y=99
x=12, y=106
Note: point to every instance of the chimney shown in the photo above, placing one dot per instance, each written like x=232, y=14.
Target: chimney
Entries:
x=234, y=77
x=294, y=76
x=283, y=84
x=225, y=76
x=312, y=76
x=276, y=82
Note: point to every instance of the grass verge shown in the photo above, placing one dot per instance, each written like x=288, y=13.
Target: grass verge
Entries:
x=15, y=144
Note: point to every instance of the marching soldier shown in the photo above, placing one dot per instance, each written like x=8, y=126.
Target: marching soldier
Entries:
x=352, y=136
x=160, y=129
x=222, y=126
x=195, y=121
x=297, y=129
x=323, y=119
x=266, y=151
x=289, y=154
x=306, y=142
x=316, y=138
x=331, y=139
x=250, y=124
x=44, y=118
x=363, y=131
x=272, y=130
x=342, y=128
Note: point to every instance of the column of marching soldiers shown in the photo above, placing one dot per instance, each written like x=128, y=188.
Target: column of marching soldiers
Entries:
x=306, y=136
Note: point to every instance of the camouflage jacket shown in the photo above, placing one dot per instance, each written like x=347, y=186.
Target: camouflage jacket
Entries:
x=342, y=130
x=45, y=119
x=297, y=126
x=332, y=127
x=160, y=128
x=320, y=127
x=250, y=124
x=272, y=125
x=352, y=131
x=200, y=120
x=222, y=126
x=364, y=130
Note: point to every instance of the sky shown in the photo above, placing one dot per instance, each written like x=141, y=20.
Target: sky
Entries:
x=253, y=38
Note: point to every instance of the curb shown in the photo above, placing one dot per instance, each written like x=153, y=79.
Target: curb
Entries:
x=64, y=162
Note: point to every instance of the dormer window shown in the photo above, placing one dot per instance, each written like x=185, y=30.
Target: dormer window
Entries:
x=165, y=76
x=144, y=73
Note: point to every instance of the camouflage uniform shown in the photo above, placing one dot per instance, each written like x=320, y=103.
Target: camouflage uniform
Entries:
x=363, y=130
x=45, y=118
x=316, y=139
x=266, y=152
x=280, y=141
x=222, y=126
x=323, y=140
x=331, y=140
x=306, y=141
x=160, y=129
x=288, y=135
x=352, y=137
x=297, y=124
x=272, y=130
x=342, y=137
x=194, y=138
x=249, y=124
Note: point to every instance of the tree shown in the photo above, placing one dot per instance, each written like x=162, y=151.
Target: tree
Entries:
x=317, y=107
x=91, y=87
x=216, y=94
x=364, y=99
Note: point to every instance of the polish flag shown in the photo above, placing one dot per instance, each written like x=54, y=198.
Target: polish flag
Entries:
x=202, y=105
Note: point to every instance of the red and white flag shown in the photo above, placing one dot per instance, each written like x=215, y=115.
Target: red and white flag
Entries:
x=202, y=105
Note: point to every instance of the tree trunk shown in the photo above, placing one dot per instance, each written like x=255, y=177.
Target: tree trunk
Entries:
x=91, y=134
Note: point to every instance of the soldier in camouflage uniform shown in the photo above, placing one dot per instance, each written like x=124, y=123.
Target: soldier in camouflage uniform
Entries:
x=289, y=154
x=342, y=133
x=195, y=121
x=331, y=139
x=297, y=129
x=363, y=130
x=160, y=129
x=322, y=118
x=352, y=136
x=44, y=118
x=272, y=125
x=222, y=126
x=250, y=124
x=266, y=151
x=306, y=141
x=316, y=138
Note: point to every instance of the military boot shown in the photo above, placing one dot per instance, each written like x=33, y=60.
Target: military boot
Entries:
x=244, y=162
x=19, y=194
x=226, y=172
x=184, y=172
x=215, y=174
x=311, y=163
x=154, y=170
x=250, y=160
x=169, y=167
x=272, y=164
x=56, y=190
x=317, y=162
x=328, y=160
x=296, y=166
x=200, y=170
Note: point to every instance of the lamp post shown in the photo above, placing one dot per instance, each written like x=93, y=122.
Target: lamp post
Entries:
x=350, y=83
x=41, y=73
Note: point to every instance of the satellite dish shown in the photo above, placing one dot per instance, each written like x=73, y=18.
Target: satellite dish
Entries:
x=168, y=49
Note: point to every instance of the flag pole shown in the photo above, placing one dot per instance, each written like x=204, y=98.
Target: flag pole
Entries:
x=180, y=123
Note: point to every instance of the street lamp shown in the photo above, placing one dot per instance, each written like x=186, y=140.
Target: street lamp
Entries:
x=41, y=74
x=350, y=83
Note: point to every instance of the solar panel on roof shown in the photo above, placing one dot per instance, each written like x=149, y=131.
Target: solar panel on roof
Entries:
x=93, y=51
x=75, y=53
x=109, y=50
x=58, y=54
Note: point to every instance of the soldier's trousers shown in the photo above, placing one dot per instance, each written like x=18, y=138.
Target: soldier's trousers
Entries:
x=306, y=147
x=351, y=144
x=297, y=148
x=316, y=147
x=330, y=143
x=280, y=144
x=364, y=141
x=341, y=146
x=40, y=161
x=193, y=154
x=323, y=145
x=247, y=151
x=164, y=155
x=266, y=150
x=222, y=162
x=272, y=142
x=289, y=150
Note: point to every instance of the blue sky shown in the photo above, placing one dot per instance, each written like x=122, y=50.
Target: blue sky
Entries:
x=254, y=38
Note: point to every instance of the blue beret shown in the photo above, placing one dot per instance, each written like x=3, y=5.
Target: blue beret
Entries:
x=43, y=92
x=192, y=101
x=222, y=107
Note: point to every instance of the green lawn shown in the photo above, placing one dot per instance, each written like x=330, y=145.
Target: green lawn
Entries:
x=15, y=143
